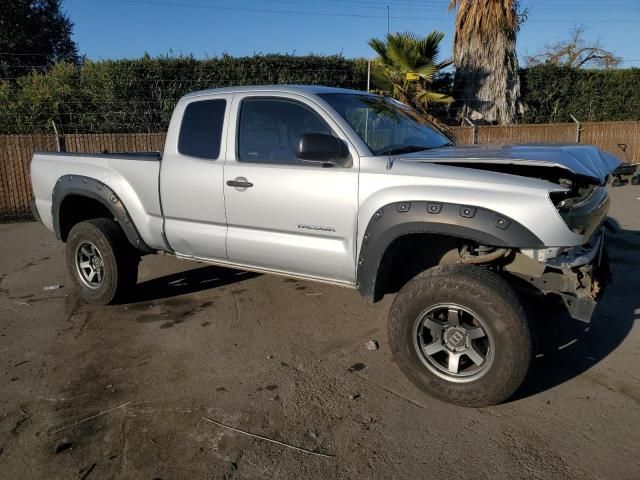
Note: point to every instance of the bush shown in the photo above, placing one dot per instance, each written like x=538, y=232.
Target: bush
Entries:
x=552, y=93
x=117, y=96
x=139, y=95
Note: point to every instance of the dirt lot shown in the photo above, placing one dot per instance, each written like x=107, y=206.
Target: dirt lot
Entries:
x=286, y=359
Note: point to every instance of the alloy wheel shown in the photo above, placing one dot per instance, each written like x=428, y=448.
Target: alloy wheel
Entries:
x=89, y=265
x=453, y=342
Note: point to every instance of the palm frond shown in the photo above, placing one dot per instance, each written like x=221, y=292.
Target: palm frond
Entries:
x=426, y=96
x=444, y=64
x=402, y=51
x=428, y=46
x=381, y=77
x=427, y=72
x=484, y=16
x=380, y=47
x=407, y=65
x=485, y=57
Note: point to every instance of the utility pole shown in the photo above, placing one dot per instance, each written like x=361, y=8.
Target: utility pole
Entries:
x=387, y=19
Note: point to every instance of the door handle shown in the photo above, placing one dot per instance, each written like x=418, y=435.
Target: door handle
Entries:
x=239, y=182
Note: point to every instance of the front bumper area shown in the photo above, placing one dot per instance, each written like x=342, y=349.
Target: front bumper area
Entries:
x=578, y=276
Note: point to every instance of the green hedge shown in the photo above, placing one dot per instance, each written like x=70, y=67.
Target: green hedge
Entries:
x=552, y=93
x=139, y=95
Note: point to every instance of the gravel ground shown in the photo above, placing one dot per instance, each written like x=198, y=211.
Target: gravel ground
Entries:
x=287, y=359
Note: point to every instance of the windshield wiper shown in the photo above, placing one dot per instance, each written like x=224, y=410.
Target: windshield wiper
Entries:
x=448, y=144
x=397, y=150
x=406, y=149
x=400, y=149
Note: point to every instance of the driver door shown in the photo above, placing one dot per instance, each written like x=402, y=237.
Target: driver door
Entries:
x=284, y=214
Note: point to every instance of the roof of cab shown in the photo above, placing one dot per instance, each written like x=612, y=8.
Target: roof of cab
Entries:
x=315, y=89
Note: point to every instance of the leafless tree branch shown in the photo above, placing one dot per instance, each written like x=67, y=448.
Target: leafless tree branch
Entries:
x=575, y=52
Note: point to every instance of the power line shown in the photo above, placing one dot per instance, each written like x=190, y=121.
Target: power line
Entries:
x=254, y=10
x=346, y=15
x=423, y=5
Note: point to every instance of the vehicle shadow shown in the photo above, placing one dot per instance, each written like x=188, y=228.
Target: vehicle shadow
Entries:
x=563, y=347
x=190, y=281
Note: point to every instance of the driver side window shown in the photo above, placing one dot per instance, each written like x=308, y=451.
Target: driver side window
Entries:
x=269, y=129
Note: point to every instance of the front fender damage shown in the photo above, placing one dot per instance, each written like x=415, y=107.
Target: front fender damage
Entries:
x=577, y=275
x=458, y=221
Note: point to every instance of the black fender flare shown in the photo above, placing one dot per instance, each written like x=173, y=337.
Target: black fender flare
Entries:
x=96, y=190
x=397, y=219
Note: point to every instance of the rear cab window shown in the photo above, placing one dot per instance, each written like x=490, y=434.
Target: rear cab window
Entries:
x=201, y=129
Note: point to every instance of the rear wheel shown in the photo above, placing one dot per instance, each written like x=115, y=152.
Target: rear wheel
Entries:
x=460, y=334
x=101, y=261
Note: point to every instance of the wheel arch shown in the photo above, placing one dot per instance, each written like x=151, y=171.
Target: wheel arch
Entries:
x=434, y=222
x=78, y=198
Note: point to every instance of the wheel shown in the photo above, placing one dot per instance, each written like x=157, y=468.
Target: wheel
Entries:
x=617, y=181
x=101, y=261
x=460, y=334
x=635, y=180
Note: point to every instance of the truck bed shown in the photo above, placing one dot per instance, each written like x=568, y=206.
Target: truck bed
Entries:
x=134, y=176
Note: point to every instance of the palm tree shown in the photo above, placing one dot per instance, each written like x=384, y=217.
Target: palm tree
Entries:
x=486, y=82
x=406, y=65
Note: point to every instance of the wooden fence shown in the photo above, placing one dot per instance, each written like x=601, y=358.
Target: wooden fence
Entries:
x=16, y=150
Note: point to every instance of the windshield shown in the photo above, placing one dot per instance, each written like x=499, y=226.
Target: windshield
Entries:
x=386, y=126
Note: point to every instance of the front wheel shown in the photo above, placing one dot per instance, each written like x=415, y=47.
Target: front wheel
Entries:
x=460, y=334
x=101, y=261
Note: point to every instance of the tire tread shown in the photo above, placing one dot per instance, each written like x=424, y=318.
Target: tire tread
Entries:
x=484, y=289
x=120, y=255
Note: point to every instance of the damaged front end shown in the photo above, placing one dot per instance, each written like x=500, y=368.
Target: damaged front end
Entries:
x=575, y=178
x=584, y=163
x=578, y=274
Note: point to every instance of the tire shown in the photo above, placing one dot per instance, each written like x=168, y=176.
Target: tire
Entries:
x=635, y=180
x=472, y=297
x=115, y=273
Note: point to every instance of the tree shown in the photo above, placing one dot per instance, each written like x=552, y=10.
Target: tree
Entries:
x=576, y=53
x=486, y=85
x=34, y=35
x=407, y=64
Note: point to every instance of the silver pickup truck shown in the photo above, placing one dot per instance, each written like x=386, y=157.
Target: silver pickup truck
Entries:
x=357, y=190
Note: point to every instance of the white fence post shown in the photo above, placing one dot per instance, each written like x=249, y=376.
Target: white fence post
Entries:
x=578, y=127
x=475, y=130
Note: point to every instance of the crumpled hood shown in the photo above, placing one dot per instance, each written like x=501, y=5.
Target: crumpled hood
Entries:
x=582, y=160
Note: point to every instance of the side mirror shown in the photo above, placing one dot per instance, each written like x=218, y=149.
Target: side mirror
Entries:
x=322, y=148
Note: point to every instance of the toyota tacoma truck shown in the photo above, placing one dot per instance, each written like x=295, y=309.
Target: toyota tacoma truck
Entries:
x=352, y=189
